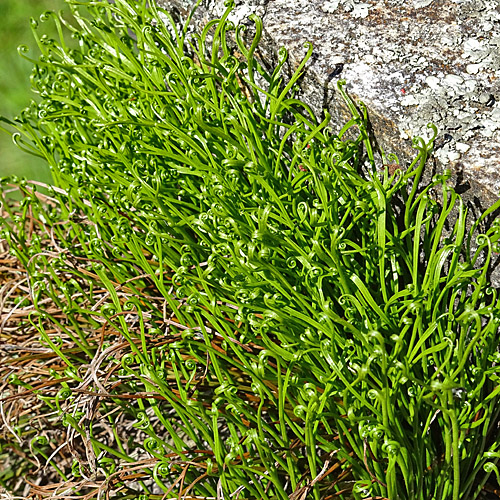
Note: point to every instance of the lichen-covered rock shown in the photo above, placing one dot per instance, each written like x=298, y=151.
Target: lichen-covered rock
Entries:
x=411, y=61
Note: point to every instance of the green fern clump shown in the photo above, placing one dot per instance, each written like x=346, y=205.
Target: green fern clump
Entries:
x=273, y=322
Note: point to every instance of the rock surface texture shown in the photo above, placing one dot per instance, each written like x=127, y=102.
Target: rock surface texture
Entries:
x=411, y=61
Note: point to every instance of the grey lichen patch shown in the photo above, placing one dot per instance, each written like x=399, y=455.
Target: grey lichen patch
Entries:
x=418, y=4
x=242, y=9
x=355, y=7
x=210, y=9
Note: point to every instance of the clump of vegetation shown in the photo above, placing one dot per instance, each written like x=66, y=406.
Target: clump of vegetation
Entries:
x=226, y=299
